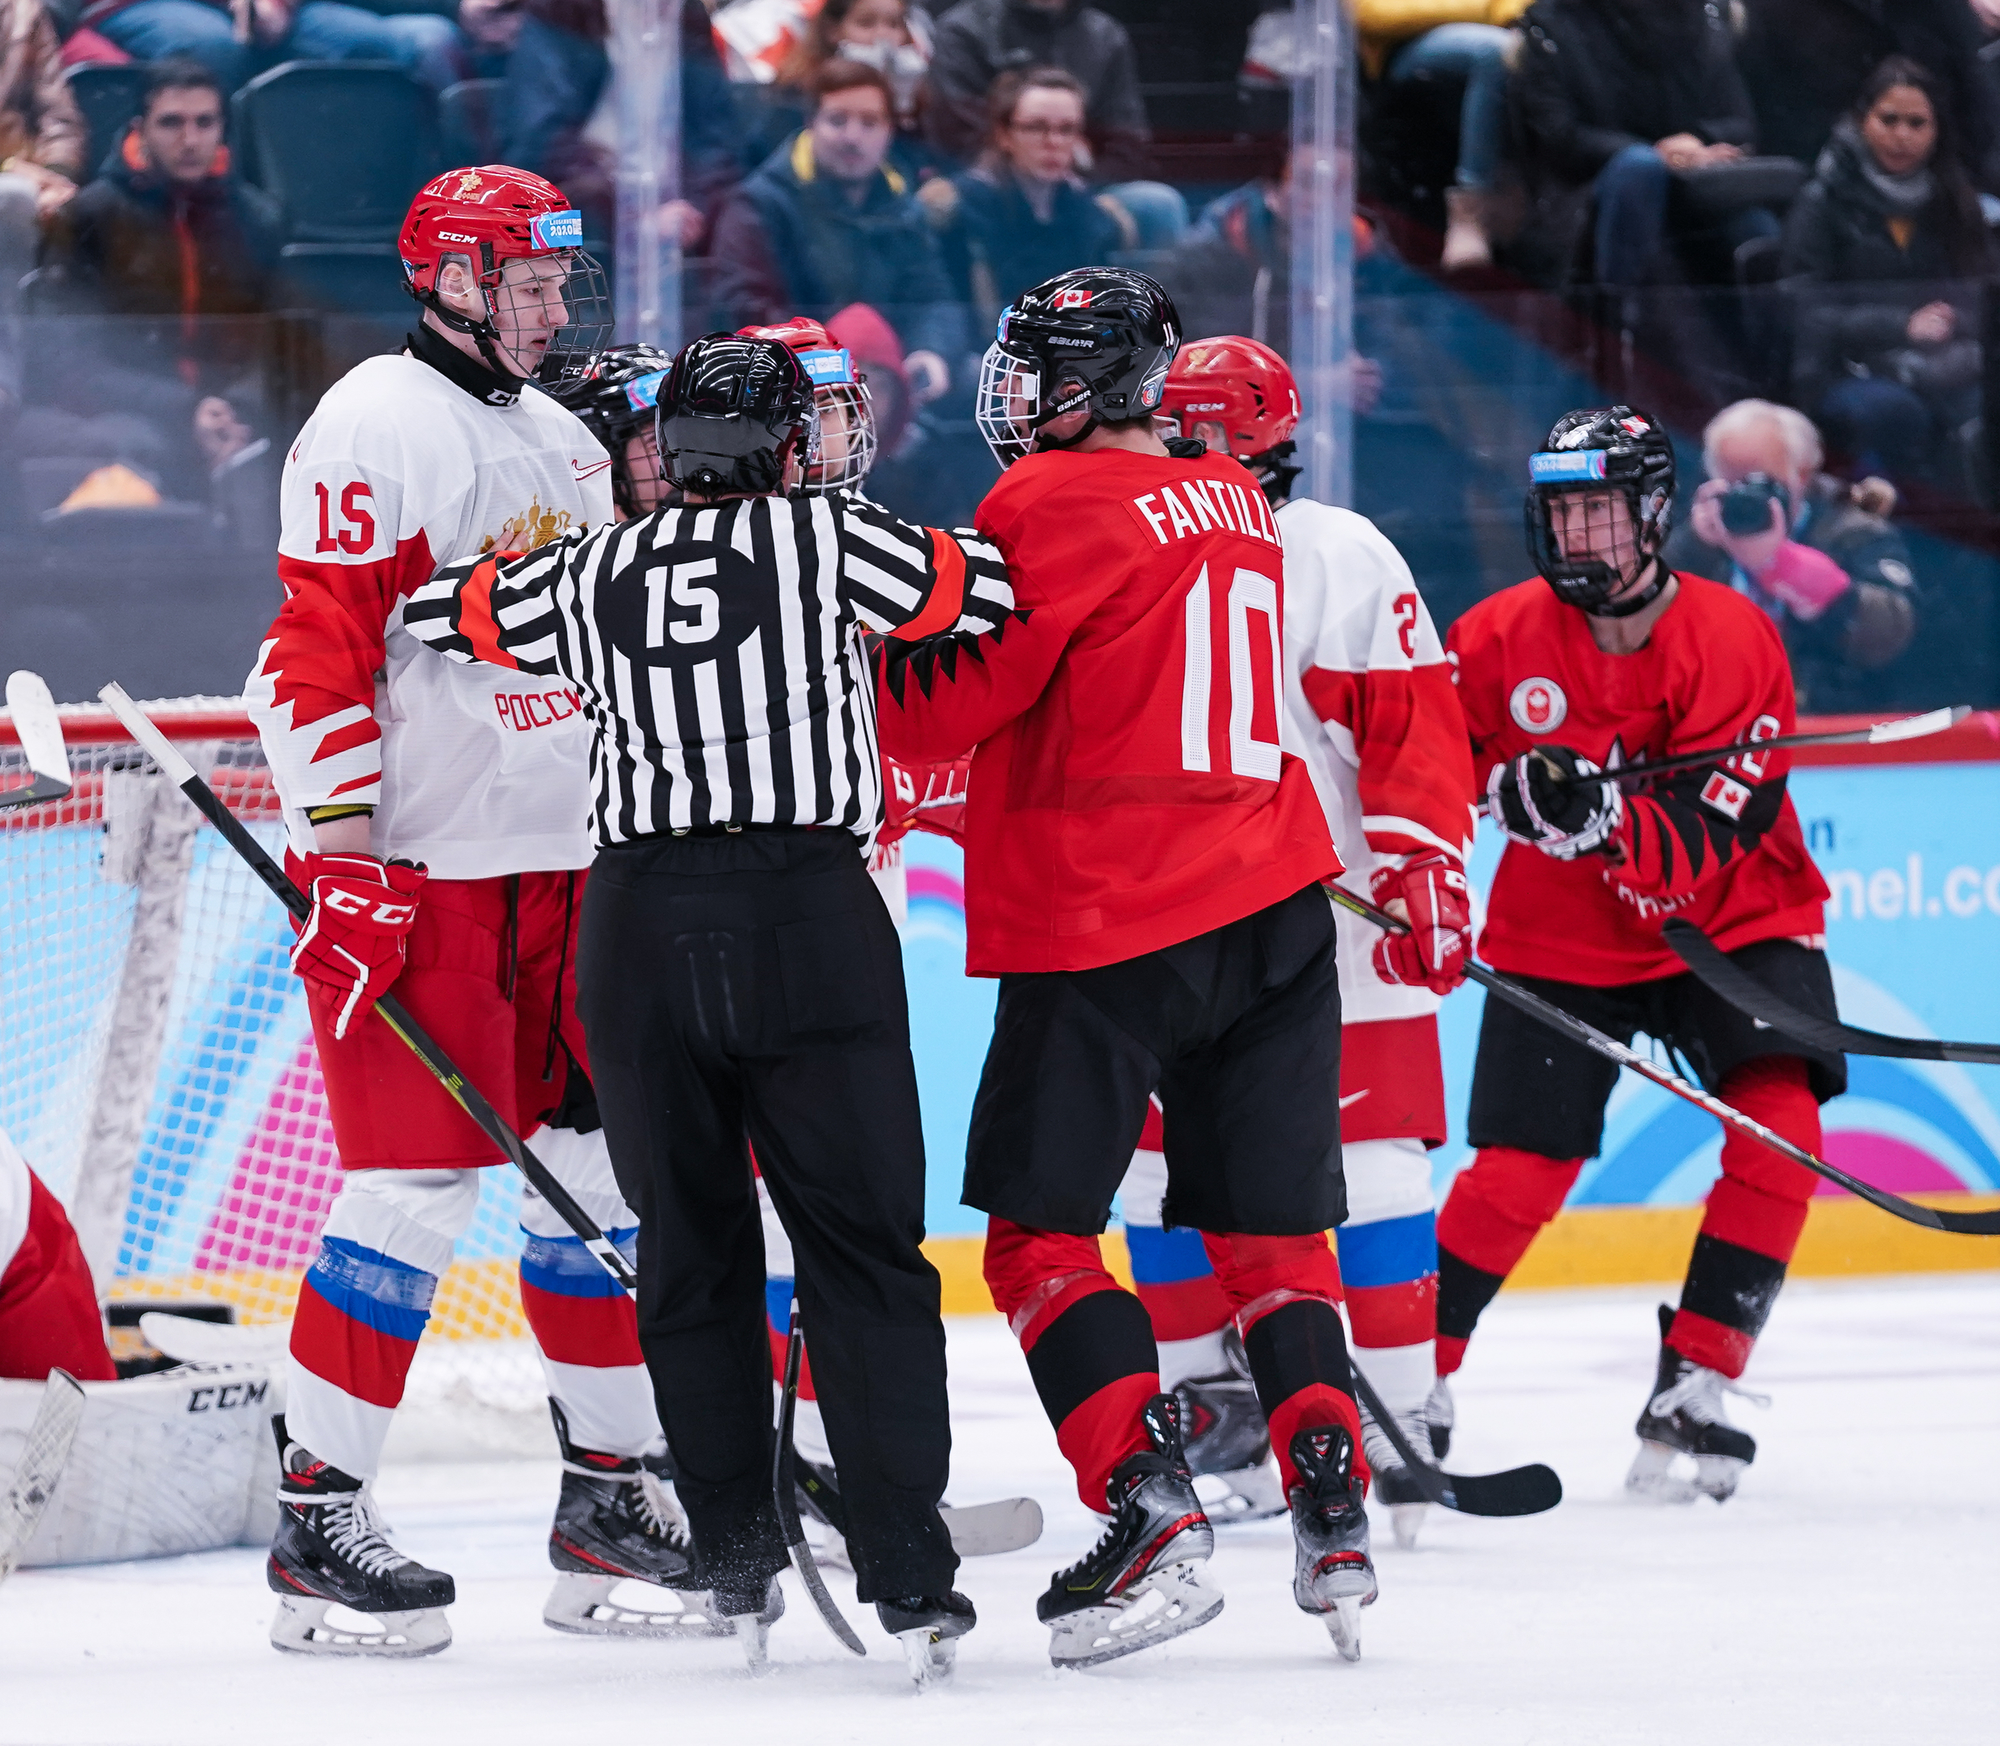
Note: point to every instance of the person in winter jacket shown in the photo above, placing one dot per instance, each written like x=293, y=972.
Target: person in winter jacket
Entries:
x=1823, y=563
x=42, y=144
x=1022, y=214
x=163, y=241
x=978, y=40
x=1615, y=96
x=1405, y=40
x=1883, y=251
x=827, y=222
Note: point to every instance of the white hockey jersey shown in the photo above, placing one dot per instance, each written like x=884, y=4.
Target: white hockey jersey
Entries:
x=473, y=770
x=1370, y=707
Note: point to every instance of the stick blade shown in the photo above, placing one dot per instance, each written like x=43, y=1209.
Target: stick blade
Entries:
x=40, y=728
x=1519, y=1491
x=1915, y=727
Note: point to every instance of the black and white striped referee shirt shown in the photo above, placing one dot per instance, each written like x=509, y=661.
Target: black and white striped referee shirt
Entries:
x=718, y=649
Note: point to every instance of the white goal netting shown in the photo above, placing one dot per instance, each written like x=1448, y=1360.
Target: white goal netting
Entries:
x=160, y=1070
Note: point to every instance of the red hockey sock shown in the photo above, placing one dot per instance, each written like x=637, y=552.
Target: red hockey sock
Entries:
x=1498, y=1204
x=1752, y=1223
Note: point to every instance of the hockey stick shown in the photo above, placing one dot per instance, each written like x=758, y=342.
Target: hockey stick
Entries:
x=1519, y=1491
x=1965, y=1224
x=784, y=1494
x=35, y=721
x=1744, y=992
x=977, y=1530
x=390, y=1010
x=1883, y=733
x=43, y=1457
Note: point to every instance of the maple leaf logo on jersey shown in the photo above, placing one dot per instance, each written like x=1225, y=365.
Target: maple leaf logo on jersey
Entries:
x=1538, y=706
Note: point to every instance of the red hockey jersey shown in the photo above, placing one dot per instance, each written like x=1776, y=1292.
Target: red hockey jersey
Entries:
x=1130, y=789
x=1719, y=844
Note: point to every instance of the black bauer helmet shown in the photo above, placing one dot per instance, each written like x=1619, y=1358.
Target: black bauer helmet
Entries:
x=1597, y=451
x=729, y=409
x=1098, y=340
x=614, y=396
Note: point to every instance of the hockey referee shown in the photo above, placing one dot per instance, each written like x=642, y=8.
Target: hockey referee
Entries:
x=739, y=978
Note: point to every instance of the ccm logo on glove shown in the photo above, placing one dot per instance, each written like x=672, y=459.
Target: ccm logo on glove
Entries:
x=351, y=949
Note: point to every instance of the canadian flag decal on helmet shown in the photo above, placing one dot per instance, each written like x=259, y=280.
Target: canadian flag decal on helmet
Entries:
x=1076, y=297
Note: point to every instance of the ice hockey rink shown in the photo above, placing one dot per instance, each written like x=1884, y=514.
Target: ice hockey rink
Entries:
x=1849, y=1592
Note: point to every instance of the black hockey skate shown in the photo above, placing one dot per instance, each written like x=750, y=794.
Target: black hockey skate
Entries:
x=1145, y=1580
x=329, y=1551
x=1395, y=1485
x=1228, y=1441
x=1684, y=1416
x=1333, y=1576
x=928, y=1627
x=615, y=1522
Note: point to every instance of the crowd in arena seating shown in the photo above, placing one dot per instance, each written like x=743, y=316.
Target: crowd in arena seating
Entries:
x=1783, y=209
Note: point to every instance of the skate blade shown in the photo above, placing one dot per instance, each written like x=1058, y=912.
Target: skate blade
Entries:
x=1172, y=1600
x=1405, y=1521
x=582, y=1605
x=1717, y=1476
x=1250, y=1494
x=753, y=1631
x=301, y=1629
x=932, y=1660
x=1652, y=1478
x=1343, y=1625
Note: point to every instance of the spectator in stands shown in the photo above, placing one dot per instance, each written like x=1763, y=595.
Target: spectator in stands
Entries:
x=1022, y=214
x=1616, y=97
x=1405, y=40
x=42, y=143
x=978, y=40
x=204, y=30
x=165, y=241
x=1884, y=248
x=1805, y=61
x=827, y=221
x=884, y=34
x=1816, y=554
x=438, y=41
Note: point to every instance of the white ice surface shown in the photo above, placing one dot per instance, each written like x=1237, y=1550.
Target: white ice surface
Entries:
x=1850, y=1591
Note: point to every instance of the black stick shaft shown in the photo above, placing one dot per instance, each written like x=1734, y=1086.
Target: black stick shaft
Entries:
x=390, y=1010
x=1975, y=1224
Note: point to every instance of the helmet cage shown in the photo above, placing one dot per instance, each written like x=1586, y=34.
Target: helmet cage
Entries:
x=845, y=434
x=1590, y=583
x=586, y=298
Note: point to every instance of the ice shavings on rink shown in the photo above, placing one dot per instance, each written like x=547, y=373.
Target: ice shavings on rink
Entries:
x=1849, y=1593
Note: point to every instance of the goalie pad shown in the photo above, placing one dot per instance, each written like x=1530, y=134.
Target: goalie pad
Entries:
x=179, y=1461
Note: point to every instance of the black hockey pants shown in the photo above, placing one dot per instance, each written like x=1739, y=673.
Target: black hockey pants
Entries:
x=750, y=986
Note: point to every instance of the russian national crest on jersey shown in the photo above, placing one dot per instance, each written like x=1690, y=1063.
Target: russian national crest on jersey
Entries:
x=1538, y=706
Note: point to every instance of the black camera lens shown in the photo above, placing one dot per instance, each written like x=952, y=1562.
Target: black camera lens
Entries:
x=1746, y=505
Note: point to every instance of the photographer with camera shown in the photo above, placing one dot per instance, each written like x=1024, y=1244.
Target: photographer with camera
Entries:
x=1815, y=553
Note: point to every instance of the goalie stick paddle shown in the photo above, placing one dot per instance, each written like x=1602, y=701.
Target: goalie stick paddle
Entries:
x=1519, y=1491
x=1883, y=733
x=1743, y=991
x=43, y=1457
x=1964, y=1224
x=40, y=731
x=784, y=1495
x=390, y=1010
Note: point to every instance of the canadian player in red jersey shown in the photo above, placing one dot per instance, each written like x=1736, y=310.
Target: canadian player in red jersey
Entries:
x=1369, y=697
x=438, y=815
x=1143, y=861
x=1604, y=659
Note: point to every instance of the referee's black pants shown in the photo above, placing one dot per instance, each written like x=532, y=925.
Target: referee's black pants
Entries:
x=750, y=986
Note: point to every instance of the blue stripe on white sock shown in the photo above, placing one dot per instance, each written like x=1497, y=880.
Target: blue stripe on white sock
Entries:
x=1389, y=1252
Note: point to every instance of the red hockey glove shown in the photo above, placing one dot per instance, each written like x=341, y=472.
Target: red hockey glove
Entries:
x=1561, y=818
x=351, y=948
x=1433, y=953
x=926, y=797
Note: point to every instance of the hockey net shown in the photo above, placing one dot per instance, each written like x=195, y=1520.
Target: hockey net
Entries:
x=161, y=1075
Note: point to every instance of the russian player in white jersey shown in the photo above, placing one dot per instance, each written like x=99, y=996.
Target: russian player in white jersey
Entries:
x=1369, y=706
x=437, y=815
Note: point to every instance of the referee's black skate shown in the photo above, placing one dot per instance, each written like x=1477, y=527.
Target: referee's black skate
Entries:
x=1145, y=1580
x=1683, y=1417
x=1332, y=1576
x=1228, y=1440
x=615, y=1522
x=928, y=1627
x=329, y=1551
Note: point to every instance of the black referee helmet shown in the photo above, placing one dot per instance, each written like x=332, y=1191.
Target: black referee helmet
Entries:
x=730, y=411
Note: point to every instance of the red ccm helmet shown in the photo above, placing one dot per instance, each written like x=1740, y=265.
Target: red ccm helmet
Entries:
x=1246, y=389
x=847, y=434
x=542, y=324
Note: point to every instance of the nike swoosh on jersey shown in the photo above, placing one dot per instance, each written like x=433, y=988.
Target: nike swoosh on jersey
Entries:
x=583, y=472
x=1353, y=1097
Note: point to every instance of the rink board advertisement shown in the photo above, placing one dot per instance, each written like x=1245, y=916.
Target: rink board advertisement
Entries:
x=236, y=1164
